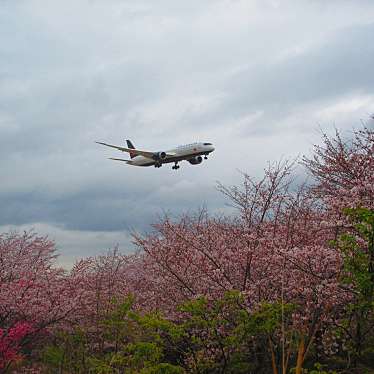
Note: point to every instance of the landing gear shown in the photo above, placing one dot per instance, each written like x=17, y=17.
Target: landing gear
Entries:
x=176, y=166
x=158, y=164
x=205, y=157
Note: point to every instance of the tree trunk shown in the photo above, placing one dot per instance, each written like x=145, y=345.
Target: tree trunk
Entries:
x=300, y=356
x=273, y=360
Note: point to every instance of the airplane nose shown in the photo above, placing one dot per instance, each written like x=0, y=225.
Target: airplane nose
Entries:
x=212, y=148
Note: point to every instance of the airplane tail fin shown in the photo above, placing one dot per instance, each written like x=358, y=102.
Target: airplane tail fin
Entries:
x=131, y=146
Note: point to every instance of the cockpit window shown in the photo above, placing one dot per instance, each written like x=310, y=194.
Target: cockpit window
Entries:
x=207, y=143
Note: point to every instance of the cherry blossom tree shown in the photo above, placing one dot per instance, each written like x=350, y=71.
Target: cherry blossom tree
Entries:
x=344, y=175
x=275, y=251
x=33, y=292
x=11, y=342
x=343, y=170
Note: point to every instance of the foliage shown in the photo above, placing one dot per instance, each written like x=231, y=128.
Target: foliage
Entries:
x=224, y=337
x=209, y=336
x=357, y=247
x=127, y=341
x=318, y=369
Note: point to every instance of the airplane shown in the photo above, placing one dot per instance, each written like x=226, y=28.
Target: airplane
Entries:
x=190, y=152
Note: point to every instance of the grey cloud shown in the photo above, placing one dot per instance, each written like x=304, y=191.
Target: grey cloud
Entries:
x=255, y=78
x=336, y=68
x=104, y=208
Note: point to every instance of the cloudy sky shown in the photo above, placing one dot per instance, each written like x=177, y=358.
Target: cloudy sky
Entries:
x=257, y=78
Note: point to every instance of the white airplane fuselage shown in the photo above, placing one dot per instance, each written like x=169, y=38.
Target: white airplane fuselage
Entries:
x=190, y=152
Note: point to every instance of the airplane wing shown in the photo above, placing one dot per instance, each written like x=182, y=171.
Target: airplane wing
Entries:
x=118, y=159
x=135, y=152
x=121, y=159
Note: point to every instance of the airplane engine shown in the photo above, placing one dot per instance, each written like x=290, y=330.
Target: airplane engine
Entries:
x=159, y=155
x=196, y=160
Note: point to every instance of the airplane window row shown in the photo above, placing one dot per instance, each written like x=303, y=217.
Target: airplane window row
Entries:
x=187, y=145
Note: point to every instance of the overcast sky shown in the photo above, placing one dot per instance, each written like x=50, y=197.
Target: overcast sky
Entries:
x=256, y=78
